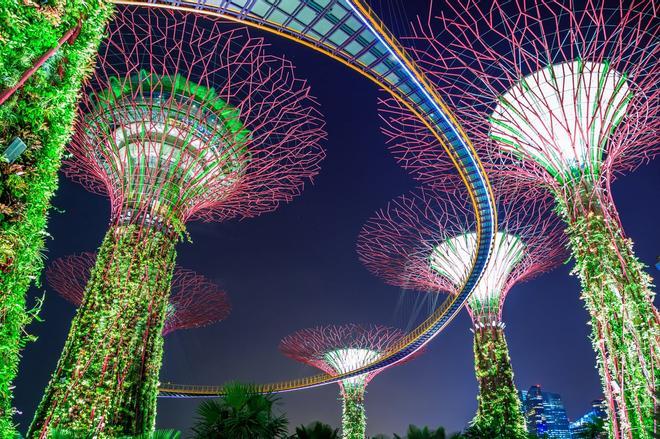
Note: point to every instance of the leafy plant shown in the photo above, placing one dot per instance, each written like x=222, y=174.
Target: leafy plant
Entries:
x=123, y=314
x=316, y=430
x=499, y=409
x=593, y=429
x=241, y=414
x=617, y=293
x=415, y=432
x=68, y=434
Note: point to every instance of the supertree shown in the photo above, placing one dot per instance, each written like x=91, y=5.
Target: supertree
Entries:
x=561, y=97
x=46, y=50
x=194, y=300
x=339, y=349
x=425, y=241
x=181, y=120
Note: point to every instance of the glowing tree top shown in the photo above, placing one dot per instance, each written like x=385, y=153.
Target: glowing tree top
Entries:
x=194, y=300
x=339, y=349
x=425, y=241
x=556, y=92
x=213, y=130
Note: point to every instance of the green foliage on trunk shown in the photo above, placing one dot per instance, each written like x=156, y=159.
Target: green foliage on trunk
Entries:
x=41, y=113
x=354, y=418
x=498, y=403
x=68, y=434
x=107, y=376
x=617, y=293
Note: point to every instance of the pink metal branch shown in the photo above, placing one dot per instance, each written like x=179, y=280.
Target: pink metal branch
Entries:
x=396, y=244
x=68, y=37
x=194, y=302
x=282, y=149
x=475, y=51
x=69, y=275
x=311, y=345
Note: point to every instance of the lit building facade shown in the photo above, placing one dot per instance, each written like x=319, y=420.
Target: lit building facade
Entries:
x=545, y=414
x=598, y=411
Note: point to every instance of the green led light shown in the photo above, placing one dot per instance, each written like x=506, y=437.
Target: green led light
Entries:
x=116, y=339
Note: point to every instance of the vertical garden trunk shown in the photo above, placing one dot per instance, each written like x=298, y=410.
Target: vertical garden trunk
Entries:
x=498, y=403
x=616, y=292
x=354, y=419
x=40, y=112
x=107, y=376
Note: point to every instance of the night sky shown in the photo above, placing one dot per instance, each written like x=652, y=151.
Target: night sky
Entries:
x=297, y=267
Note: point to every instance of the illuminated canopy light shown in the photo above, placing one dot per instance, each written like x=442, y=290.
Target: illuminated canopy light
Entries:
x=169, y=143
x=337, y=349
x=452, y=260
x=562, y=116
x=346, y=360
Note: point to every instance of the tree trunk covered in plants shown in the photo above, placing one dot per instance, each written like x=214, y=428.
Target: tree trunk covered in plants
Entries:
x=617, y=293
x=498, y=403
x=107, y=376
x=354, y=419
x=41, y=113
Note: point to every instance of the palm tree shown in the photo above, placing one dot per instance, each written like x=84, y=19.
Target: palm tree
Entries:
x=316, y=430
x=415, y=432
x=241, y=414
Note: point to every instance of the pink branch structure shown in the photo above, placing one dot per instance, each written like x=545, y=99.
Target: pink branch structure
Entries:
x=339, y=349
x=548, y=92
x=176, y=125
x=425, y=241
x=559, y=96
x=194, y=301
x=317, y=347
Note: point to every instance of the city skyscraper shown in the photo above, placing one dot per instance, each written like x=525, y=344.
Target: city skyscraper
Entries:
x=545, y=414
x=598, y=411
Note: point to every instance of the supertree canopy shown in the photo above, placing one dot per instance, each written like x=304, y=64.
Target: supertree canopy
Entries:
x=425, y=241
x=194, y=300
x=560, y=96
x=339, y=349
x=181, y=120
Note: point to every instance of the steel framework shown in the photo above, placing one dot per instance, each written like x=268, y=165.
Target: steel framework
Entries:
x=424, y=241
